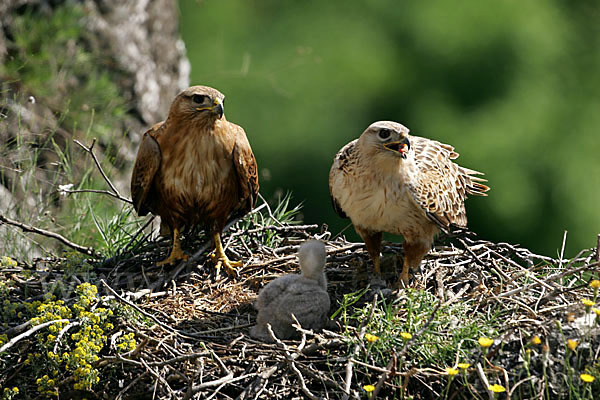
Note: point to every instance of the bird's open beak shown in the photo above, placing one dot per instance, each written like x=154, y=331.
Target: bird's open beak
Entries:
x=400, y=147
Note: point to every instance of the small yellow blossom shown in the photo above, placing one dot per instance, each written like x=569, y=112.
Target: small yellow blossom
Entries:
x=597, y=311
x=451, y=371
x=463, y=365
x=587, y=378
x=595, y=284
x=7, y=262
x=572, y=344
x=368, y=388
x=406, y=335
x=371, y=338
x=536, y=340
x=587, y=302
x=485, y=342
x=497, y=388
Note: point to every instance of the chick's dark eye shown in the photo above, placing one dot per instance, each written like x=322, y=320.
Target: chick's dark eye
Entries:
x=198, y=98
x=384, y=133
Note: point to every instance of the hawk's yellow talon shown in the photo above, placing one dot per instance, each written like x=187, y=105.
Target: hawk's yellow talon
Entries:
x=222, y=260
x=176, y=253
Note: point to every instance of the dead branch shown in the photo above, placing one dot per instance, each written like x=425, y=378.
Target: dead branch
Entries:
x=290, y=359
x=30, y=332
x=28, y=228
x=164, y=326
x=61, y=334
x=90, y=150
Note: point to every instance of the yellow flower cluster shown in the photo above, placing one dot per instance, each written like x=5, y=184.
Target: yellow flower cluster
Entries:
x=89, y=341
x=80, y=348
x=371, y=338
x=126, y=343
x=51, y=310
x=8, y=311
x=88, y=294
x=33, y=358
x=8, y=393
x=46, y=386
x=7, y=262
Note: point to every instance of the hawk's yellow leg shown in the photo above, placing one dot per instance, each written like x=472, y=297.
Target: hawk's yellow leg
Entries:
x=376, y=264
x=413, y=255
x=176, y=252
x=222, y=260
x=403, y=281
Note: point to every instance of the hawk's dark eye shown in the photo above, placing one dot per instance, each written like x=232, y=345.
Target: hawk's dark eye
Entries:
x=384, y=133
x=198, y=98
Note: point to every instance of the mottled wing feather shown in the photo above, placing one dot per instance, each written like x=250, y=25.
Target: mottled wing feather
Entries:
x=146, y=164
x=246, y=170
x=441, y=186
x=340, y=163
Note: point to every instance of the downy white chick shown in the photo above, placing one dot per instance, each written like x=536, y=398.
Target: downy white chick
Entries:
x=305, y=296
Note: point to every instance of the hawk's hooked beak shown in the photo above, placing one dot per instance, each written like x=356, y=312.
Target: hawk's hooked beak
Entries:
x=217, y=108
x=400, y=147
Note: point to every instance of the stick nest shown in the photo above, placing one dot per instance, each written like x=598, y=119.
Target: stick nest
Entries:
x=192, y=326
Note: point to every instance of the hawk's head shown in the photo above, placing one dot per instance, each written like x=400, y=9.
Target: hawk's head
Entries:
x=198, y=103
x=387, y=138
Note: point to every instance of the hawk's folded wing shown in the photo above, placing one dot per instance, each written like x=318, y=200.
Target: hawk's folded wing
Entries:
x=441, y=186
x=146, y=164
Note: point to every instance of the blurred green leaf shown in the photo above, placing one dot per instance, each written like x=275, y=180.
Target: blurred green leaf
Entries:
x=512, y=85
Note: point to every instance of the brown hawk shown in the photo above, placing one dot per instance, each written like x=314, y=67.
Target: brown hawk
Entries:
x=390, y=181
x=195, y=168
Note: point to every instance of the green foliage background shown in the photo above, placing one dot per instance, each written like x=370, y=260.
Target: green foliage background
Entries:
x=514, y=86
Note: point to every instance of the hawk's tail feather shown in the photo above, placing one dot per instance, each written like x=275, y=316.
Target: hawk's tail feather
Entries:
x=477, y=189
